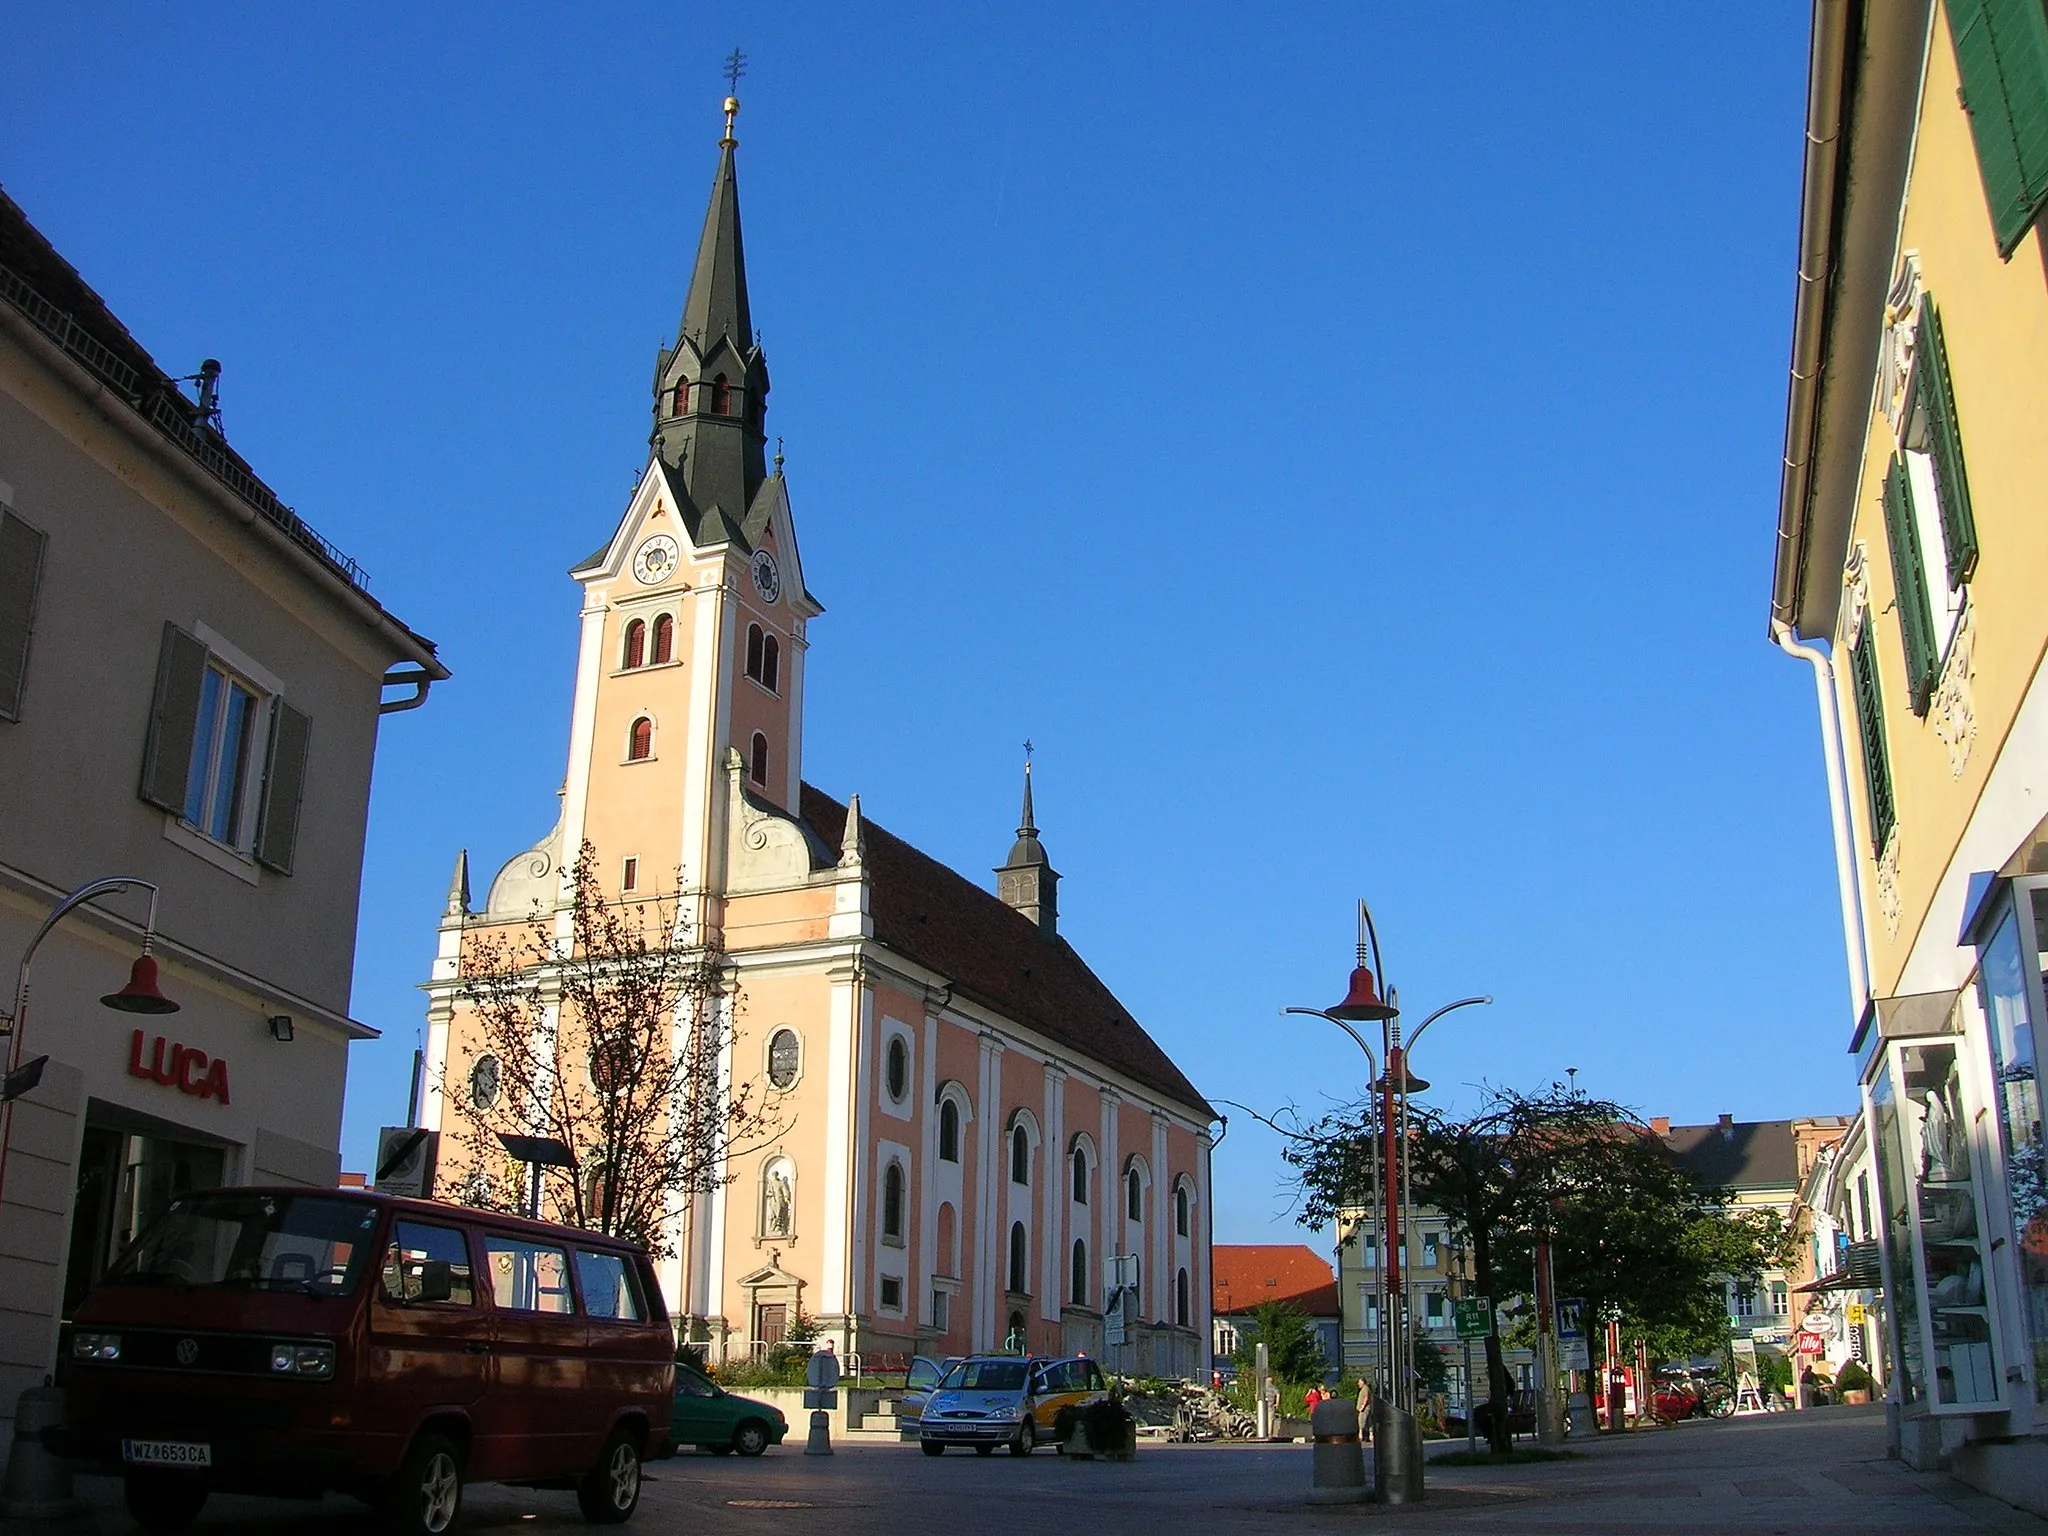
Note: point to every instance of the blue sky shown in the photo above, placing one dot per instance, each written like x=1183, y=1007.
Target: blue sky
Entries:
x=1344, y=438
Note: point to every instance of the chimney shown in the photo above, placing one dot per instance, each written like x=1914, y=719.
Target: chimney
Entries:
x=1728, y=1127
x=1660, y=1125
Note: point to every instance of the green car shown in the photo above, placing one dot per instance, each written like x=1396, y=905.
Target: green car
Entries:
x=705, y=1414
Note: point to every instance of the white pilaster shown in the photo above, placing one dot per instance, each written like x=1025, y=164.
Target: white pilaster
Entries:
x=1052, y=1180
x=1160, y=1227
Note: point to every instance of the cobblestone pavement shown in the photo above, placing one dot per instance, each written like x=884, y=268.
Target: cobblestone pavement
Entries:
x=1809, y=1474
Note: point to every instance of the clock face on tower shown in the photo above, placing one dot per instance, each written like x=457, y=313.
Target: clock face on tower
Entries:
x=655, y=561
x=767, y=577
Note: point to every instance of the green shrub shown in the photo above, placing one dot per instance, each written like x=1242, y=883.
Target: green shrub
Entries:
x=1852, y=1377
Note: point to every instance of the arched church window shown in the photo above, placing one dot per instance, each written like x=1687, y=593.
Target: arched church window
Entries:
x=640, y=744
x=636, y=644
x=721, y=396
x=949, y=1132
x=1180, y=1298
x=892, y=1201
x=1020, y=1268
x=1134, y=1196
x=664, y=639
x=1020, y=1156
x=1078, y=1279
x=683, y=398
x=771, y=663
x=1180, y=1211
x=758, y=767
x=756, y=649
x=1080, y=1177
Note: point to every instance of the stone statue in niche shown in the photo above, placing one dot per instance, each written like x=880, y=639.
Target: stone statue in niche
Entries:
x=778, y=1202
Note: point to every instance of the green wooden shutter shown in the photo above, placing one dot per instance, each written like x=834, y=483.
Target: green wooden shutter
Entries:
x=173, y=718
x=1909, y=576
x=2002, y=55
x=284, y=783
x=21, y=573
x=1937, y=400
x=1877, y=768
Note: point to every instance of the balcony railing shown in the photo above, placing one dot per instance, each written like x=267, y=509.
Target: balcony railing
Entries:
x=170, y=413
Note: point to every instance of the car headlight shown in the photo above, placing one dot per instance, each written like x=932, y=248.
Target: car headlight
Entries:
x=96, y=1346
x=1011, y=1412
x=302, y=1359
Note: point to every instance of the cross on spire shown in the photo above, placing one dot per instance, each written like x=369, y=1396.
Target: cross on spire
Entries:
x=735, y=67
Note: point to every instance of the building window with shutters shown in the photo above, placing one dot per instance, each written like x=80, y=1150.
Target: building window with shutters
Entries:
x=640, y=741
x=2002, y=56
x=1877, y=769
x=1930, y=530
x=664, y=649
x=636, y=646
x=21, y=574
x=226, y=754
x=764, y=658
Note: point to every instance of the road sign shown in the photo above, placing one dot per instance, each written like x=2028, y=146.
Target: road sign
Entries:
x=405, y=1161
x=1858, y=1314
x=1571, y=1320
x=1574, y=1355
x=822, y=1373
x=1473, y=1315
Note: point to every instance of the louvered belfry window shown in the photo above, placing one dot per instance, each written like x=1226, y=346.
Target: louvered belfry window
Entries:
x=2002, y=55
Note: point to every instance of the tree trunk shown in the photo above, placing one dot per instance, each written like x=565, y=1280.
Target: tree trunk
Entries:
x=1501, y=1392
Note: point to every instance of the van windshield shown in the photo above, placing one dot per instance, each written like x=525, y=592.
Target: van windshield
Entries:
x=229, y=1240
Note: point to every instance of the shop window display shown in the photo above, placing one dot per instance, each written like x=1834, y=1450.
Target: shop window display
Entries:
x=1951, y=1241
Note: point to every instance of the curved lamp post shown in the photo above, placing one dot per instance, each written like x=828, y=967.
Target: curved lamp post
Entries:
x=1397, y=1453
x=142, y=994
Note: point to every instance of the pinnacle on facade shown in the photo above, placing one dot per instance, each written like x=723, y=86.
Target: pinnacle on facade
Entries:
x=458, y=887
x=853, y=843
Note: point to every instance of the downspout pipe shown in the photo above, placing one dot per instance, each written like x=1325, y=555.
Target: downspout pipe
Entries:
x=1854, y=942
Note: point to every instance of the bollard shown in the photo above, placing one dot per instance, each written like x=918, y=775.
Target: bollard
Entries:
x=1396, y=1456
x=1579, y=1409
x=1339, y=1474
x=38, y=1485
x=820, y=1442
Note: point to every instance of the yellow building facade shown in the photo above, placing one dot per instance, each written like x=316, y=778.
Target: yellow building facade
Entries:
x=1912, y=553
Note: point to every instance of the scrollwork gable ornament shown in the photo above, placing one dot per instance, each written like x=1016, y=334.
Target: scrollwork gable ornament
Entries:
x=1953, y=710
x=1888, y=885
x=1895, y=348
x=1855, y=594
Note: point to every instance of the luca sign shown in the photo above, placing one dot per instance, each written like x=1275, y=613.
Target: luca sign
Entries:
x=183, y=1067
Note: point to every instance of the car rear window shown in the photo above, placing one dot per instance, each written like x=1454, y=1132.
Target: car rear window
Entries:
x=610, y=1288
x=986, y=1376
x=526, y=1276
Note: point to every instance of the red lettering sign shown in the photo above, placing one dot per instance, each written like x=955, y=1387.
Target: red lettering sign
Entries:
x=184, y=1067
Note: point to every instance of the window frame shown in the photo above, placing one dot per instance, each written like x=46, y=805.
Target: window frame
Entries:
x=768, y=1057
x=633, y=646
x=758, y=766
x=1018, y=1270
x=637, y=749
x=947, y=1107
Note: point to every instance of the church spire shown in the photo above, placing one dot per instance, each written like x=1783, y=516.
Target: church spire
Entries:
x=1027, y=880
x=711, y=385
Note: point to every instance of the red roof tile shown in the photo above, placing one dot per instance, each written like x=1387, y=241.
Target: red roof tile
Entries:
x=1247, y=1274
x=995, y=956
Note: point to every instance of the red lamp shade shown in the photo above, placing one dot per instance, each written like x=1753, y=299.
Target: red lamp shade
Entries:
x=142, y=994
x=1362, y=1002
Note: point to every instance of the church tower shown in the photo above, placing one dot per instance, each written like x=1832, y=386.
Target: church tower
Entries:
x=1027, y=880
x=695, y=609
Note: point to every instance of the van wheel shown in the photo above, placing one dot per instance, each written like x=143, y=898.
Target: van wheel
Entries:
x=751, y=1438
x=1027, y=1439
x=610, y=1491
x=163, y=1501
x=426, y=1495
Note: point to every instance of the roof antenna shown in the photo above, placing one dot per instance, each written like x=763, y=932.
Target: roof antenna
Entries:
x=208, y=380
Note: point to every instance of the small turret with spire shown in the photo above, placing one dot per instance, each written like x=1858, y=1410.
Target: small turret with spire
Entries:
x=1027, y=881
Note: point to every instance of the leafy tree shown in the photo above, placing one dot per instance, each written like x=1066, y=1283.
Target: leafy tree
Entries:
x=1628, y=1229
x=609, y=1030
x=1293, y=1353
x=1431, y=1373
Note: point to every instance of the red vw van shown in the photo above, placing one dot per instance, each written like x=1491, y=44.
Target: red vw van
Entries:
x=290, y=1341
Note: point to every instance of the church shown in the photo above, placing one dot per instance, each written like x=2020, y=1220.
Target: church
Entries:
x=971, y=1127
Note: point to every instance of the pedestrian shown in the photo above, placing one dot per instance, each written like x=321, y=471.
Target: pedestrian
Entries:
x=1364, y=1399
x=1309, y=1399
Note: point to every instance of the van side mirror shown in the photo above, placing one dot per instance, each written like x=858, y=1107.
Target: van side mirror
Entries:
x=435, y=1282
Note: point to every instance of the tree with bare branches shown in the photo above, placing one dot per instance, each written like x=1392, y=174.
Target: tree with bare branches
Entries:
x=610, y=1028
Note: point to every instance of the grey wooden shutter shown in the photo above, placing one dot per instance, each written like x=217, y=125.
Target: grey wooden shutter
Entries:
x=1909, y=576
x=1937, y=400
x=21, y=573
x=1877, y=768
x=173, y=718
x=284, y=783
x=2002, y=56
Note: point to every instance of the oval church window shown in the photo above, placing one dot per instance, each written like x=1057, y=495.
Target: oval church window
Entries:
x=484, y=1081
x=785, y=1058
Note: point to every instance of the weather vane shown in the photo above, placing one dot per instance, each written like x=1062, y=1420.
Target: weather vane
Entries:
x=1028, y=749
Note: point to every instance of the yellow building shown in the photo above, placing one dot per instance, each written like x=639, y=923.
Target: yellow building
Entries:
x=1911, y=560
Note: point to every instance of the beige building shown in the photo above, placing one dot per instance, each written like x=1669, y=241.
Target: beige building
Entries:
x=190, y=684
x=972, y=1125
x=1912, y=551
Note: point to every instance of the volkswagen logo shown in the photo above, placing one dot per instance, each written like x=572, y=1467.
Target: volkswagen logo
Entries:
x=188, y=1351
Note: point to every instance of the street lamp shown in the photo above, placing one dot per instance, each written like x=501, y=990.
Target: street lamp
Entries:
x=1397, y=1443
x=141, y=995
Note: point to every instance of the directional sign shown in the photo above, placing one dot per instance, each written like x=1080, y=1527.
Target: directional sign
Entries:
x=1473, y=1315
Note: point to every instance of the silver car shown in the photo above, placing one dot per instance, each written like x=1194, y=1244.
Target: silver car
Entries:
x=983, y=1401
